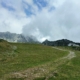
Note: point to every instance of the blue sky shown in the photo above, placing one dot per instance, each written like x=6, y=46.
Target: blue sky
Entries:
x=40, y=4
x=7, y=7
x=44, y=19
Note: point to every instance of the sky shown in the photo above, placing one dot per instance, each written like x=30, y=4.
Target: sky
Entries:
x=44, y=19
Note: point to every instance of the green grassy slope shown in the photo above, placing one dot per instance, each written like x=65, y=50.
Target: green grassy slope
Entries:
x=65, y=69
x=4, y=46
x=26, y=56
x=68, y=70
x=37, y=60
x=40, y=60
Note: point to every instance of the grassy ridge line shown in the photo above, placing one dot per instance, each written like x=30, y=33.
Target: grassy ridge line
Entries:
x=4, y=46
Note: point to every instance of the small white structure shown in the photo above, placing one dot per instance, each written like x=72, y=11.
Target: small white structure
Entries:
x=73, y=44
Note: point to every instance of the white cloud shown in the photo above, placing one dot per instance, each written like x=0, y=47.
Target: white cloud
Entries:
x=12, y=21
x=34, y=8
x=61, y=22
x=56, y=3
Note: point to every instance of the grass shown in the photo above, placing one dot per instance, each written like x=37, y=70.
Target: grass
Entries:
x=4, y=46
x=15, y=79
x=70, y=70
x=26, y=56
x=43, y=61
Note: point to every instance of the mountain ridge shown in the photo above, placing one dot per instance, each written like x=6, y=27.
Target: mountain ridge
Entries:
x=13, y=37
x=61, y=42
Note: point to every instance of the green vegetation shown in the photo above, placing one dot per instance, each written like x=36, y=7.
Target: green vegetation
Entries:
x=26, y=56
x=24, y=61
x=4, y=46
x=70, y=70
x=67, y=70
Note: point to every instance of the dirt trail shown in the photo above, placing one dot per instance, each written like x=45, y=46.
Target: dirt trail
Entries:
x=69, y=56
x=43, y=70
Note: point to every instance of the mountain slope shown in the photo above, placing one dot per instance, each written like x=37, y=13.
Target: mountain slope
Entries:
x=13, y=37
x=62, y=42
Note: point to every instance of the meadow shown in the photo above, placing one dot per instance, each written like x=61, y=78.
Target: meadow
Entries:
x=26, y=61
x=18, y=57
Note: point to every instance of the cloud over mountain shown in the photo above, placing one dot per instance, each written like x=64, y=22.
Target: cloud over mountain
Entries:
x=44, y=19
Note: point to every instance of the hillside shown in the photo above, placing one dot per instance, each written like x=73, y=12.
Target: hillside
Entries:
x=25, y=61
x=62, y=42
x=27, y=56
x=4, y=46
